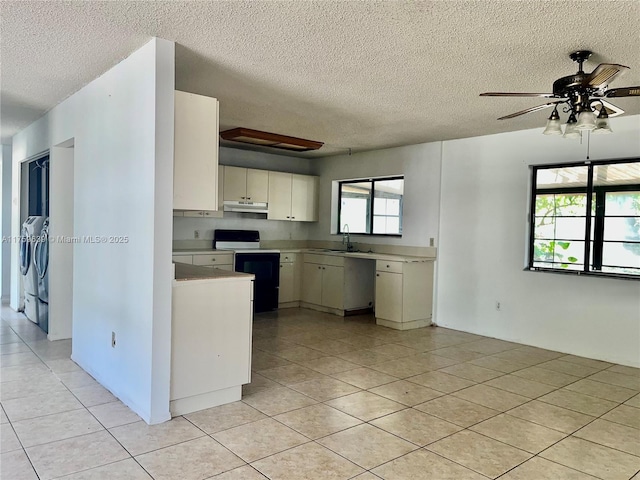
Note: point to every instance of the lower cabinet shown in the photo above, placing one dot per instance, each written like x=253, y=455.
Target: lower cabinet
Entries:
x=211, y=324
x=404, y=294
x=336, y=284
x=290, y=278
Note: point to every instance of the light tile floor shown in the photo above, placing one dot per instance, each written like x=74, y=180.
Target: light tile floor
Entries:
x=332, y=398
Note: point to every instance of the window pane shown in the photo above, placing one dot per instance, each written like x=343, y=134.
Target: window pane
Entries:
x=354, y=207
x=393, y=206
x=621, y=254
x=393, y=225
x=568, y=228
x=387, y=201
x=558, y=251
x=623, y=203
x=625, y=270
x=616, y=174
x=565, y=205
x=566, y=177
x=622, y=228
x=380, y=207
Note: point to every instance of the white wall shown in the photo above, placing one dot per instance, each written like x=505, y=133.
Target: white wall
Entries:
x=184, y=227
x=5, y=220
x=61, y=218
x=122, y=124
x=420, y=165
x=483, y=231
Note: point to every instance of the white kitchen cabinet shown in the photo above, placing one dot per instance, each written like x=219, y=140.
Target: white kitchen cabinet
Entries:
x=195, y=171
x=404, y=294
x=246, y=185
x=279, y=196
x=290, y=277
x=304, y=198
x=293, y=197
x=336, y=284
x=211, y=325
x=312, y=286
x=333, y=286
x=389, y=295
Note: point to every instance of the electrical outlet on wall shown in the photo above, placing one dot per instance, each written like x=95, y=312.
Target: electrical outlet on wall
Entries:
x=432, y=242
x=498, y=305
x=196, y=234
x=113, y=339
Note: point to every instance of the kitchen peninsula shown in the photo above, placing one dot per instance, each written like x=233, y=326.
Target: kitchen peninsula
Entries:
x=211, y=323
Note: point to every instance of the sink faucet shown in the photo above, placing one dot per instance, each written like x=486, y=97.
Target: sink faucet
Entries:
x=346, y=237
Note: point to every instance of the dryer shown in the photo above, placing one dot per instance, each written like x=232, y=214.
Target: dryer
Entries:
x=41, y=263
x=30, y=234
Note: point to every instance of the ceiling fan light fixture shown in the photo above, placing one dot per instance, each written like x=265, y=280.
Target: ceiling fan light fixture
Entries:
x=586, y=120
x=570, y=130
x=602, y=123
x=553, y=124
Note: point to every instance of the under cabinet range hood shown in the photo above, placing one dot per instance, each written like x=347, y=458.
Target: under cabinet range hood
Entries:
x=245, y=207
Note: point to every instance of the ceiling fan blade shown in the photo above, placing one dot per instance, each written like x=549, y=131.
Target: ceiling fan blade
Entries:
x=529, y=110
x=507, y=94
x=604, y=74
x=611, y=109
x=623, y=92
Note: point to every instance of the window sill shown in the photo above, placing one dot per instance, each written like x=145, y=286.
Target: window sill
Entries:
x=577, y=273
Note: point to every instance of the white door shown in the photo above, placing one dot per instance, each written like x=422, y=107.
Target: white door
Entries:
x=333, y=286
x=312, y=283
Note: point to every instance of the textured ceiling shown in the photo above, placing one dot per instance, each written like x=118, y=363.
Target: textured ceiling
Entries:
x=353, y=74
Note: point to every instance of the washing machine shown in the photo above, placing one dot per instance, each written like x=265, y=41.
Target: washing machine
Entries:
x=31, y=229
x=41, y=263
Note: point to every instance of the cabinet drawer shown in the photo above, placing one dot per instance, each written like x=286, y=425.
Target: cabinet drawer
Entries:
x=220, y=267
x=333, y=260
x=182, y=259
x=288, y=258
x=387, y=266
x=213, y=259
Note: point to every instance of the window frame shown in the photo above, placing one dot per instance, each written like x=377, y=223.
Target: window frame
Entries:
x=598, y=217
x=370, y=206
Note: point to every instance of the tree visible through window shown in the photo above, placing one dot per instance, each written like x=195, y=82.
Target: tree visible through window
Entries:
x=371, y=206
x=587, y=218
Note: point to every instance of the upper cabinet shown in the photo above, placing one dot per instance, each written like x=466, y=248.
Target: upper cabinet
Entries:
x=293, y=197
x=195, y=171
x=246, y=185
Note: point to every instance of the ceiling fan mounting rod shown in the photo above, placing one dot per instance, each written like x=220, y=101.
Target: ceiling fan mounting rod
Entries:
x=580, y=57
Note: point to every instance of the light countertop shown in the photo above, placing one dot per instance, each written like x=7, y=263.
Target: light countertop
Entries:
x=201, y=251
x=184, y=272
x=321, y=251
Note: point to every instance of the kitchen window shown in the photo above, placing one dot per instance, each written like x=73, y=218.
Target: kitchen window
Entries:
x=586, y=218
x=371, y=206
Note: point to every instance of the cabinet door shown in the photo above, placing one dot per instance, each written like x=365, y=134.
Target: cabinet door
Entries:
x=220, y=187
x=279, y=196
x=389, y=296
x=312, y=283
x=258, y=185
x=195, y=158
x=286, y=283
x=333, y=286
x=304, y=198
x=235, y=184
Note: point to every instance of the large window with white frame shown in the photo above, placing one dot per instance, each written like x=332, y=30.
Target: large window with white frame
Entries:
x=371, y=206
x=585, y=218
